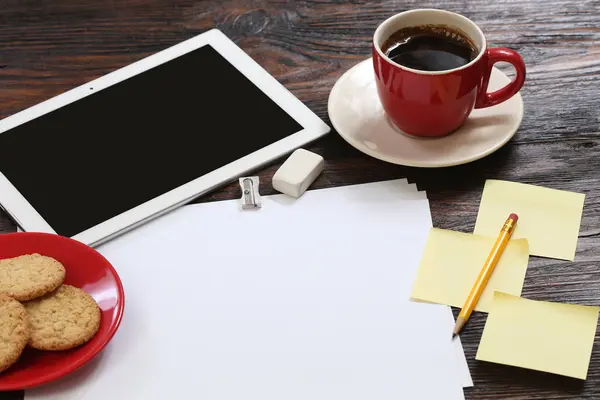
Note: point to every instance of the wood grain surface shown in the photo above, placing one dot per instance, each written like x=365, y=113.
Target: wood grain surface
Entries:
x=48, y=47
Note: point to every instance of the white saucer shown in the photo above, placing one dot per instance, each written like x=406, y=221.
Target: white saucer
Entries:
x=357, y=115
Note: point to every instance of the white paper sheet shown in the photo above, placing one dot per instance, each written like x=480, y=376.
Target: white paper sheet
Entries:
x=323, y=289
x=374, y=195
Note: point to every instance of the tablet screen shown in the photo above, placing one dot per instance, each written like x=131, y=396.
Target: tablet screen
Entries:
x=102, y=155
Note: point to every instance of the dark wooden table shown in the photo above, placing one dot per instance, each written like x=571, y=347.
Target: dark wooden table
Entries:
x=48, y=47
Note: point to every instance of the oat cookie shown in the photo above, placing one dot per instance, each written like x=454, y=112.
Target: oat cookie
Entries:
x=64, y=319
x=30, y=276
x=14, y=331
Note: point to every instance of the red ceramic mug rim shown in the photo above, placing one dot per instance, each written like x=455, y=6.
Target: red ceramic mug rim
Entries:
x=441, y=17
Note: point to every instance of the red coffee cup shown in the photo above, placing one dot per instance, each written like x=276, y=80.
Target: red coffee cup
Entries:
x=436, y=103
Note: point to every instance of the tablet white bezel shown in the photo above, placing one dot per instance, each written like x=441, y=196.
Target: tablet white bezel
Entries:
x=28, y=218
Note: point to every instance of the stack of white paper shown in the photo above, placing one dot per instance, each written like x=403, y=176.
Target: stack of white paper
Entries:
x=302, y=299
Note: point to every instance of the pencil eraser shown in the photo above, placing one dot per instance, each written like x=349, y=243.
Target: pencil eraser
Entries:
x=298, y=172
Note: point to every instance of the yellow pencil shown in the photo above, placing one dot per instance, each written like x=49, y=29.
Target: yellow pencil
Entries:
x=486, y=272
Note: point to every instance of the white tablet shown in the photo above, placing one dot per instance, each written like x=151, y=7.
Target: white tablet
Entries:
x=109, y=155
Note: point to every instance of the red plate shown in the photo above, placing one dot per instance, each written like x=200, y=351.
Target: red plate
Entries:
x=86, y=269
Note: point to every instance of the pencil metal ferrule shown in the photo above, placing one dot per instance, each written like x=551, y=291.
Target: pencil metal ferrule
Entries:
x=508, y=226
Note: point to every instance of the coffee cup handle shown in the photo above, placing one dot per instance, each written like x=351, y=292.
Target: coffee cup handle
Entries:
x=485, y=99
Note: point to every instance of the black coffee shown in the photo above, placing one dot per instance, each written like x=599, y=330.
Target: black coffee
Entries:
x=430, y=48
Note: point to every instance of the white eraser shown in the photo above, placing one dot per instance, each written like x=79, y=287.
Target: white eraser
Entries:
x=298, y=172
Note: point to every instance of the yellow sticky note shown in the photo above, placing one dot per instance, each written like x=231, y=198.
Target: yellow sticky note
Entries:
x=452, y=261
x=549, y=219
x=540, y=335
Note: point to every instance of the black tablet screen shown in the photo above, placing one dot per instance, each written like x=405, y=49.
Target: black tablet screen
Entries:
x=129, y=143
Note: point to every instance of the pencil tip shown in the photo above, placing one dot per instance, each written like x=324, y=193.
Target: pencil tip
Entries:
x=460, y=322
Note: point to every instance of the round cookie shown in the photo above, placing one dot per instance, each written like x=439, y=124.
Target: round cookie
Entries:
x=30, y=276
x=62, y=320
x=14, y=331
